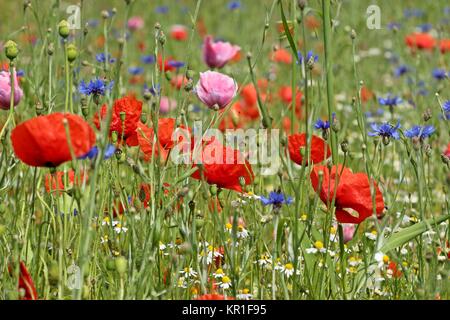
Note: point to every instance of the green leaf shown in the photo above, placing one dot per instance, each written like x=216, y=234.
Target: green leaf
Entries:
x=287, y=33
x=407, y=234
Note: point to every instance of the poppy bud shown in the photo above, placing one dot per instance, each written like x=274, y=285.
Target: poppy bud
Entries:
x=11, y=50
x=121, y=265
x=189, y=85
x=143, y=117
x=427, y=115
x=353, y=34
x=53, y=271
x=147, y=95
x=157, y=26
x=86, y=29
x=190, y=74
x=335, y=125
x=105, y=14
x=72, y=52
x=302, y=151
x=114, y=136
x=301, y=4
x=110, y=264
x=242, y=181
x=162, y=38
x=344, y=146
x=50, y=49
x=64, y=29
x=122, y=115
x=213, y=189
x=168, y=75
x=199, y=222
x=39, y=108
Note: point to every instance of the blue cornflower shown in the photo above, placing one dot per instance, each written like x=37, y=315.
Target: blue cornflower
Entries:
x=135, y=70
x=109, y=152
x=420, y=132
x=20, y=73
x=176, y=64
x=276, y=199
x=102, y=58
x=390, y=100
x=93, y=23
x=320, y=124
x=385, y=130
x=425, y=27
x=439, y=74
x=394, y=25
x=409, y=13
x=95, y=87
x=162, y=9
x=233, y=5
x=446, y=107
x=153, y=90
x=148, y=59
x=401, y=70
x=309, y=55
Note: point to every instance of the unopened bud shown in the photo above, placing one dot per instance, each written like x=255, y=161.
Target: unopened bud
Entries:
x=11, y=50
x=64, y=29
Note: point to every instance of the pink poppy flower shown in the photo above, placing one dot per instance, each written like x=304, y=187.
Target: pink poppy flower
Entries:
x=217, y=54
x=5, y=90
x=215, y=89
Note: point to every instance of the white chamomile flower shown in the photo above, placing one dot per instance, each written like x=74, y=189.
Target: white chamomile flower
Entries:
x=265, y=260
x=333, y=234
x=288, y=269
x=118, y=228
x=225, y=283
x=104, y=239
x=371, y=235
x=188, y=272
x=318, y=247
x=181, y=283
x=244, y=295
x=106, y=221
x=219, y=274
x=241, y=233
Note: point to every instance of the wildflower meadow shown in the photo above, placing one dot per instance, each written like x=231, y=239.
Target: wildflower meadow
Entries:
x=224, y=150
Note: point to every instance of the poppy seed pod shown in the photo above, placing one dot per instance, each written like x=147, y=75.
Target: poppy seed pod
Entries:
x=64, y=29
x=121, y=265
x=72, y=52
x=11, y=50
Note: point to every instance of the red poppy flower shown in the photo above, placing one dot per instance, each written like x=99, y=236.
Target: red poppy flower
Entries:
x=244, y=110
x=445, y=45
x=282, y=56
x=353, y=199
x=223, y=166
x=145, y=137
x=286, y=124
x=166, y=129
x=145, y=192
x=366, y=94
x=179, y=33
x=447, y=152
x=42, y=141
x=319, y=149
x=213, y=296
x=392, y=267
x=280, y=27
x=26, y=284
x=54, y=182
x=126, y=128
x=285, y=94
x=178, y=81
x=167, y=64
x=420, y=41
x=312, y=22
